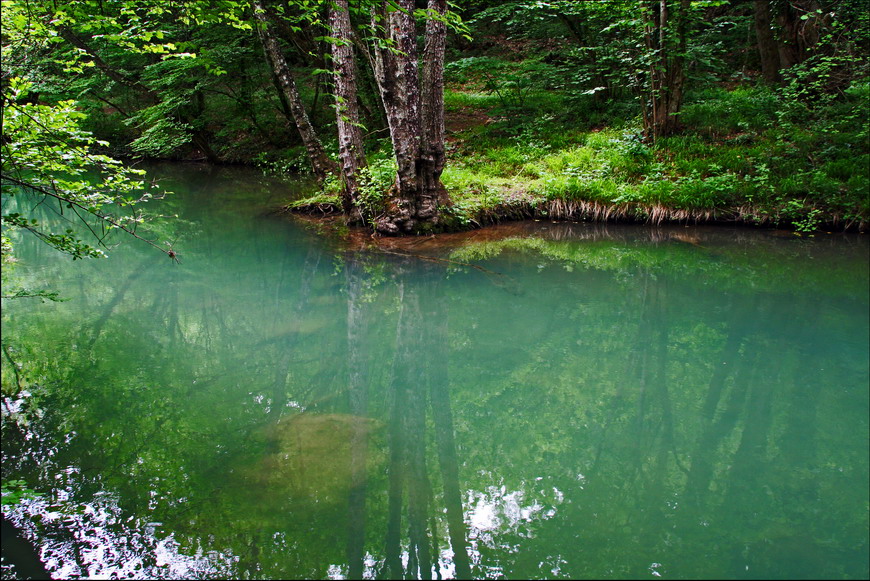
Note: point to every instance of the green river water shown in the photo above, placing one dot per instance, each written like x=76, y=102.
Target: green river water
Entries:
x=529, y=401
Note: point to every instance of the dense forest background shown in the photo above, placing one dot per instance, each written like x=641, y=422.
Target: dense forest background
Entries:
x=587, y=388
x=651, y=110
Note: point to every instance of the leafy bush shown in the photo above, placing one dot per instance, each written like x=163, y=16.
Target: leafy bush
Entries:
x=718, y=112
x=374, y=182
x=510, y=82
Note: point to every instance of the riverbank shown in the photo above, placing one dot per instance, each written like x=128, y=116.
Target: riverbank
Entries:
x=738, y=159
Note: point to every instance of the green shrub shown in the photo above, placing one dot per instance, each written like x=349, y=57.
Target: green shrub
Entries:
x=719, y=112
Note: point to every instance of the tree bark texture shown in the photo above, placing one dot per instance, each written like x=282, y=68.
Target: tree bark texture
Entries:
x=784, y=37
x=320, y=162
x=415, y=115
x=432, y=151
x=796, y=36
x=666, y=46
x=350, y=140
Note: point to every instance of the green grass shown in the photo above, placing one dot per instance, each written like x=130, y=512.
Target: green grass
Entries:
x=740, y=156
x=733, y=157
x=459, y=100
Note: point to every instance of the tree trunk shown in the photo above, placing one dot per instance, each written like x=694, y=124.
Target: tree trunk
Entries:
x=432, y=152
x=767, y=47
x=666, y=47
x=320, y=162
x=789, y=48
x=798, y=31
x=415, y=197
x=350, y=141
x=398, y=83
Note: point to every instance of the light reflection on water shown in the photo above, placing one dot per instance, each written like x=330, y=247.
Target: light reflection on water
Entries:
x=93, y=539
x=554, y=400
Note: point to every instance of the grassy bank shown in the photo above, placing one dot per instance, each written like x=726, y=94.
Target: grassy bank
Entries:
x=745, y=155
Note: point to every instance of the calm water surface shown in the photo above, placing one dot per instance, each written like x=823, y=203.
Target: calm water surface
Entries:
x=531, y=401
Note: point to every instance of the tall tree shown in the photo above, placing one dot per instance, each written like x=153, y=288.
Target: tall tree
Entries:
x=432, y=152
x=768, y=49
x=414, y=110
x=665, y=33
x=350, y=139
x=797, y=30
x=321, y=164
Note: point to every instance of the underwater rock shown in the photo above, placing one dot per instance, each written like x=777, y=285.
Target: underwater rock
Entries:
x=319, y=456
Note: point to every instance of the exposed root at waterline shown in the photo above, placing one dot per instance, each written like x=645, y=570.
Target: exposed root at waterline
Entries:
x=315, y=208
x=526, y=207
x=655, y=214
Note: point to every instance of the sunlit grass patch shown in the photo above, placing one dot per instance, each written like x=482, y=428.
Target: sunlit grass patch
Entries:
x=459, y=100
x=721, y=165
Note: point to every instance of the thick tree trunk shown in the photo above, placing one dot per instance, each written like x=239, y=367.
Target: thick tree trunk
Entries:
x=798, y=31
x=398, y=83
x=767, y=47
x=415, y=118
x=789, y=48
x=350, y=141
x=320, y=162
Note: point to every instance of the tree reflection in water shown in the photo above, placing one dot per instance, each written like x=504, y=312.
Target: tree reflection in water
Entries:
x=622, y=402
x=417, y=386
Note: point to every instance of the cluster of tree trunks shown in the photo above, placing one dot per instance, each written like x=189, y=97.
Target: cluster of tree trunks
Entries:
x=321, y=164
x=411, y=97
x=787, y=31
x=413, y=104
x=414, y=108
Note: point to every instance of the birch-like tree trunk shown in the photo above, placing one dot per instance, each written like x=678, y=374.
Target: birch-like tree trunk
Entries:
x=432, y=154
x=320, y=162
x=350, y=140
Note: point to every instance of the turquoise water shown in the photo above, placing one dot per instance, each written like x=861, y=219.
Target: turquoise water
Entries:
x=533, y=400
